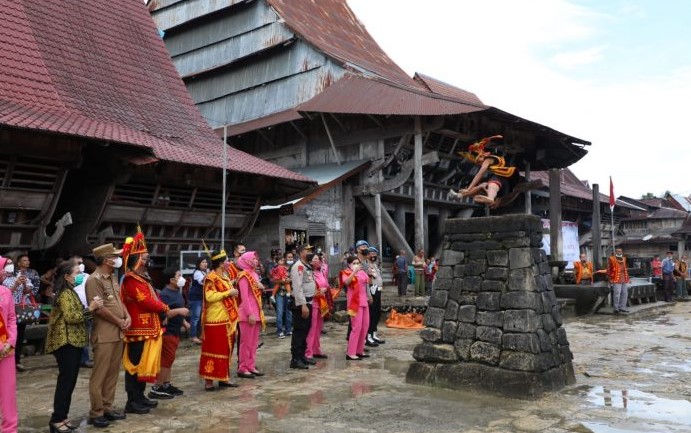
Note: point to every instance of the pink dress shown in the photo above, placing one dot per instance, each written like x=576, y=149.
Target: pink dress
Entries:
x=314, y=334
x=360, y=322
x=8, y=373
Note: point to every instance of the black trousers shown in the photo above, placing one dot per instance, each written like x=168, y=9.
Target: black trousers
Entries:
x=374, y=312
x=402, y=283
x=133, y=387
x=68, y=357
x=21, y=330
x=301, y=327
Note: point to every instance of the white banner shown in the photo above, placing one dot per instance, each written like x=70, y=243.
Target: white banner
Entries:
x=570, y=248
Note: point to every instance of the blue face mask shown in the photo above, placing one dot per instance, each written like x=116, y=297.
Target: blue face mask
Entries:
x=78, y=280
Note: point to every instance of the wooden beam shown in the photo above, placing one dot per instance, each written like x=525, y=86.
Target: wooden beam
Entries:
x=331, y=140
x=400, y=179
x=419, y=188
x=555, y=214
x=597, y=235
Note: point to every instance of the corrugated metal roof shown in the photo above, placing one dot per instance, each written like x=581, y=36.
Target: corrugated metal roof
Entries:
x=331, y=26
x=99, y=70
x=357, y=94
x=263, y=122
x=441, y=88
x=572, y=186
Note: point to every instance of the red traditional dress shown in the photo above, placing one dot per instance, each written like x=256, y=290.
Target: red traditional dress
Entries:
x=219, y=320
x=145, y=308
x=617, y=271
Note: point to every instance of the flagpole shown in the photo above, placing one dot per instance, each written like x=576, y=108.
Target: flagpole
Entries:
x=611, y=209
x=223, y=199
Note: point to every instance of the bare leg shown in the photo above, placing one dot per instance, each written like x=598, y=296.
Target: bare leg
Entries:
x=492, y=190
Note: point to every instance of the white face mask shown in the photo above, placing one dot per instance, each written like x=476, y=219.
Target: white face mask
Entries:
x=289, y=262
x=181, y=282
x=117, y=262
x=81, y=267
x=9, y=268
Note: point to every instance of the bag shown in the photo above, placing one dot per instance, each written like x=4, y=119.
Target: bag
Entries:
x=27, y=313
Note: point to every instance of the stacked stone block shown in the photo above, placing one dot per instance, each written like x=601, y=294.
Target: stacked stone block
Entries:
x=493, y=321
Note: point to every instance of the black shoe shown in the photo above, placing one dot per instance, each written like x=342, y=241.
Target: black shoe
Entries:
x=227, y=385
x=299, y=364
x=362, y=355
x=371, y=344
x=160, y=393
x=170, y=389
x=349, y=358
x=147, y=403
x=309, y=361
x=257, y=373
x=245, y=375
x=320, y=356
x=99, y=421
x=378, y=340
x=136, y=408
x=324, y=332
x=114, y=415
x=87, y=364
x=210, y=388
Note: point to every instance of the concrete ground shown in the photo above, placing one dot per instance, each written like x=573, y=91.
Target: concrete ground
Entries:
x=633, y=375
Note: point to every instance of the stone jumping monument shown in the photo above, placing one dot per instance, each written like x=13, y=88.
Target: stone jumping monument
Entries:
x=493, y=321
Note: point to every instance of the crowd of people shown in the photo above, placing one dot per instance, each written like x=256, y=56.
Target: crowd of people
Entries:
x=128, y=323
x=669, y=275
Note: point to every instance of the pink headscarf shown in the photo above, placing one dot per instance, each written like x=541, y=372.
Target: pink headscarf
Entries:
x=3, y=261
x=245, y=263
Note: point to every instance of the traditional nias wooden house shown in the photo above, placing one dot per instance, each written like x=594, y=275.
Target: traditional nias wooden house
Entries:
x=304, y=85
x=98, y=134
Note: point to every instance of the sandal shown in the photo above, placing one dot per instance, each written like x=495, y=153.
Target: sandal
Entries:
x=60, y=427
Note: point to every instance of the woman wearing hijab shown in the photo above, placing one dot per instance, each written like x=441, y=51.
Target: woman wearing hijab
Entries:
x=320, y=308
x=251, y=314
x=356, y=280
x=8, y=373
x=66, y=339
x=219, y=321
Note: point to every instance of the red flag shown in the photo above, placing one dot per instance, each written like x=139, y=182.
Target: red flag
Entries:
x=611, y=194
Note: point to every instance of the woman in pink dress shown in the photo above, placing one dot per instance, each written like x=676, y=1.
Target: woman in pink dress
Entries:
x=8, y=373
x=320, y=308
x=358, y=299
x=251, y=314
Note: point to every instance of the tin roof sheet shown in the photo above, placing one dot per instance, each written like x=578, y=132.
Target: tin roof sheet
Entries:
x=361, y=95
x=332, y=26
x=99, y=70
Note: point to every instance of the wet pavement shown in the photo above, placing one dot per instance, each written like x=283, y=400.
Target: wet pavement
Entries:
x=633, y=375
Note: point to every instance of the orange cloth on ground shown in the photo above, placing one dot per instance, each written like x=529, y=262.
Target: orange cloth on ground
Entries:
x=404, y=321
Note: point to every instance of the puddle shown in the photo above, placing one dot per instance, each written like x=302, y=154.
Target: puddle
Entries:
x=685, y=366
x=641, y=404
x=597, y=427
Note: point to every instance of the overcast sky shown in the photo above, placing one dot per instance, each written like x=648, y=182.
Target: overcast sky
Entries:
x=616, y=73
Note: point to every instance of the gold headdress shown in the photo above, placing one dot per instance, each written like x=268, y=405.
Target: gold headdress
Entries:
x=218, y=255
x=134, y=245
x=478, y=148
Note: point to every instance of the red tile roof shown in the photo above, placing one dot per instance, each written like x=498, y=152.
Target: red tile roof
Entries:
x=98, y=69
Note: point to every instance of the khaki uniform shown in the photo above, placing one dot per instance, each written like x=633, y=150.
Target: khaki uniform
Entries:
x=107, y=343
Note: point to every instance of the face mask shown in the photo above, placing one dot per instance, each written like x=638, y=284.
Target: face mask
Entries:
x=79, y=279
x=117, y=262
x=81, y=268
x=9, y=268
x=181, y=282
x=316, y=265
x=374, y=259
x=289, y=262
x=619, y=255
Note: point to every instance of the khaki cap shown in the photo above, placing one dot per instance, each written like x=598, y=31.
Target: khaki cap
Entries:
x=106, y=250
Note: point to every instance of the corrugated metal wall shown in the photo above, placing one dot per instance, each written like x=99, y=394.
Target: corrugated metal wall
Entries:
x=242, y=63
